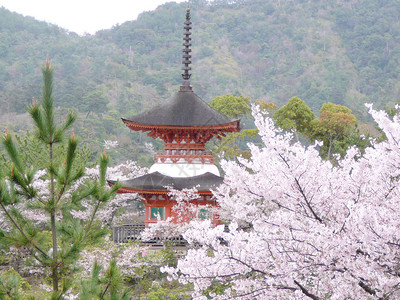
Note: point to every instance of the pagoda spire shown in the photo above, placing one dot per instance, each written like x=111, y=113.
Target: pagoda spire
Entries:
x=185, y=87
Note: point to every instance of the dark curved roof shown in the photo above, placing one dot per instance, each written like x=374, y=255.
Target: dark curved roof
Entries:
x=184, y=108
x=157, y=181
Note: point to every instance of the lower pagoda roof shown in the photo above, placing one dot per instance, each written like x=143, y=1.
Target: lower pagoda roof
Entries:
x=156, y=183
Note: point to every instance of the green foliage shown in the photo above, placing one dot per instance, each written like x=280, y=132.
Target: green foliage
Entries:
x=13, y=286
x=232, y=106
x=345, y=53
x=337, y=118
x=158, y=292
x=370, y=29
x=95, y=101
x=295, y=115
x=217, y=288
x=146, y=281
x=34, y=154
x=393, y=109
x=231, y=145
x=269, y=107
x=109, y=286
x=168, y=255
x=57, y=251
x=336, y=127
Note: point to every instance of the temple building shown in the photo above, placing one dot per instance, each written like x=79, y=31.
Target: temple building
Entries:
x=185, y=123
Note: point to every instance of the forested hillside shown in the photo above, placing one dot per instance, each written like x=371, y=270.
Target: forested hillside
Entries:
x=344, y=51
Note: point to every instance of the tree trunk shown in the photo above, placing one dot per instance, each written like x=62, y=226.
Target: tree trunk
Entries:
x=331, y=140
x=54, y=275
x=296, y=135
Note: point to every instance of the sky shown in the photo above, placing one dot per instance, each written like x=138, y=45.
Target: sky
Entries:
x=83, y=16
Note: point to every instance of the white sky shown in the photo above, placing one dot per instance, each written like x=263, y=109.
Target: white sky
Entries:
x=83, y=16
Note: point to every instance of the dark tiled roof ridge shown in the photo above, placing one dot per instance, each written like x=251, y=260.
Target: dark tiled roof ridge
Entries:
x=184, y=108
x=158, y=181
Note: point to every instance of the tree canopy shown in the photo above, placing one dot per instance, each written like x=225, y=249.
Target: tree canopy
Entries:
x=295, y=115
x=232, y=106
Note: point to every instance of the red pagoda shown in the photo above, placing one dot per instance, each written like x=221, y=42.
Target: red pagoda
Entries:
x=185, y=123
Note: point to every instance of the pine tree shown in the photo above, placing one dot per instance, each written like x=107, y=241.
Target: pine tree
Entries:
x=104, y=287
x=54, y=193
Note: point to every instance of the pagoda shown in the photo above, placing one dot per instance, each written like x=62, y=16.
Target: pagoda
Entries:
x=185, y=123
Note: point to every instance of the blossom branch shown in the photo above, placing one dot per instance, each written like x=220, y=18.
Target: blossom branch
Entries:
x=306, y=292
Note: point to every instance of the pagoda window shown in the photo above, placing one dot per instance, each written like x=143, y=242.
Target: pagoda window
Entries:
x=156, y=212
x=204, y=214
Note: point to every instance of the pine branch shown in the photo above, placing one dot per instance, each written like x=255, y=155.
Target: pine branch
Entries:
x=47, y=106
x=68, y=167
x=67, y=123
x=37, y=118
x=13, y=152
x=21, y=230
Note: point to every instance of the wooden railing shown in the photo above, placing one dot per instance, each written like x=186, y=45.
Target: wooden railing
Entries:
x=205, y=158
x=131, y=232
x=126, y=233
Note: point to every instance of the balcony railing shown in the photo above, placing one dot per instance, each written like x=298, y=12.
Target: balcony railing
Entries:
x=131, y=232
x=185, y=155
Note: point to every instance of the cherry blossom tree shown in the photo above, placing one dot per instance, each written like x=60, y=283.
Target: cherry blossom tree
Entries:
x=300, y=227
x=128, y=258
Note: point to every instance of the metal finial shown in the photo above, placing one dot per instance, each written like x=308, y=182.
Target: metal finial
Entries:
x=186, y=53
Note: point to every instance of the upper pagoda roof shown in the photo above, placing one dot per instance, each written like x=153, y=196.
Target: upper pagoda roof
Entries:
x=183, y=109
x=157, y=182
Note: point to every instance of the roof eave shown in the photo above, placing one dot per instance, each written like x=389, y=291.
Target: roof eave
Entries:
x=233, y=126
x=127, y=190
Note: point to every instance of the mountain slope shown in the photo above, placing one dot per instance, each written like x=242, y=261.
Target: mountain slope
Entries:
x=344, y=51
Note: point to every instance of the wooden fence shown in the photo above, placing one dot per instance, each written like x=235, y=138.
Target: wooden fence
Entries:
x=131, y=232
x=126, y=233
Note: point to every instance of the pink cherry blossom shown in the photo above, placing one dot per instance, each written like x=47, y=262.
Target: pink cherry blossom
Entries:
x=299, y=226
